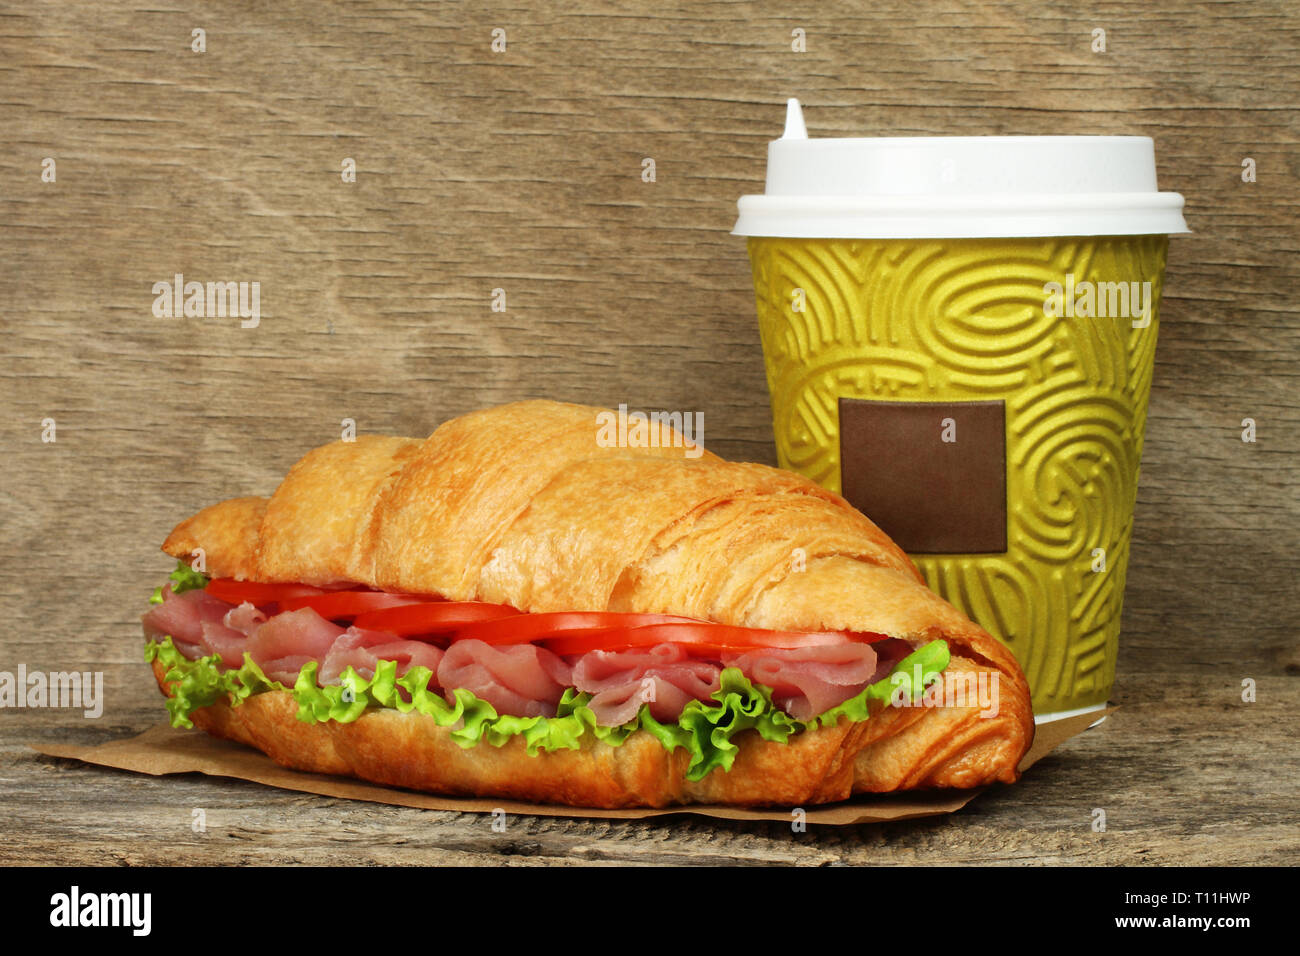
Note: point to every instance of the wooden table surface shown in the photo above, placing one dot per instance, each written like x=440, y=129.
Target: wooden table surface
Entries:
x=521, y=170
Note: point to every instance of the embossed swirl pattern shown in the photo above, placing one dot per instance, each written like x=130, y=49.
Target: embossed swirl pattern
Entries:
x=954, y=320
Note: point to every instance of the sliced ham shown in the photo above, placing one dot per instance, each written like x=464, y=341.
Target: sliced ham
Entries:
x=807, y=681
x=192, y=651
x=620, y=704
x=182, y=616
x=302, y=633
x=285, y=669
x=244, y=619
x=362, y=650
x=520, y=679
x=664, y=676
x=226, y=641
x=229, y=637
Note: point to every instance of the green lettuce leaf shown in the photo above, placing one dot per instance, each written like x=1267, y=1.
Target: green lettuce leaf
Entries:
x=704, y=729
x=184, y=578
x=203, y=682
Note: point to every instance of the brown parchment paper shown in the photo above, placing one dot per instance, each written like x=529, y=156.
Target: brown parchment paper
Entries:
x=162, y=750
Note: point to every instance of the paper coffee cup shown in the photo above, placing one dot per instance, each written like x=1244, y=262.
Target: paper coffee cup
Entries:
x=959, y=335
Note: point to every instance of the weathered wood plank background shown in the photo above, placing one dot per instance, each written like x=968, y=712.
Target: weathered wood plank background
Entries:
x=522, y=170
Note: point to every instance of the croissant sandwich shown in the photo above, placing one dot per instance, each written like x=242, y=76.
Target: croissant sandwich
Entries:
x=518, y=607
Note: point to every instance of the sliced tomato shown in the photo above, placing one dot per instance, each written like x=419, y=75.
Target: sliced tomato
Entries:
x=339, y=605
x=699, y=638
x=526, y=628
x=437, y=617
x=257, y=592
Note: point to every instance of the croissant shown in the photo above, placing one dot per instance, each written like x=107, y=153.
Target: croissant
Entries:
x=522, y=506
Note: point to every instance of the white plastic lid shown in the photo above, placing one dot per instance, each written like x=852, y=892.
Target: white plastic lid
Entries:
x=958, y=187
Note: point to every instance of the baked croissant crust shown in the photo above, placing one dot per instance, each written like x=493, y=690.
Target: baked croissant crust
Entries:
x=522, y=505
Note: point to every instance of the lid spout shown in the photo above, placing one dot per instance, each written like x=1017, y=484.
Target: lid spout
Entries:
x=794, y=127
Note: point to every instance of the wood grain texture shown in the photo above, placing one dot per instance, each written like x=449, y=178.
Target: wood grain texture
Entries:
x=522, y=171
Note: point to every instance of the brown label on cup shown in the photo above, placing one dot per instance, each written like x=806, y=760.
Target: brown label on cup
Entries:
x=932, y=475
